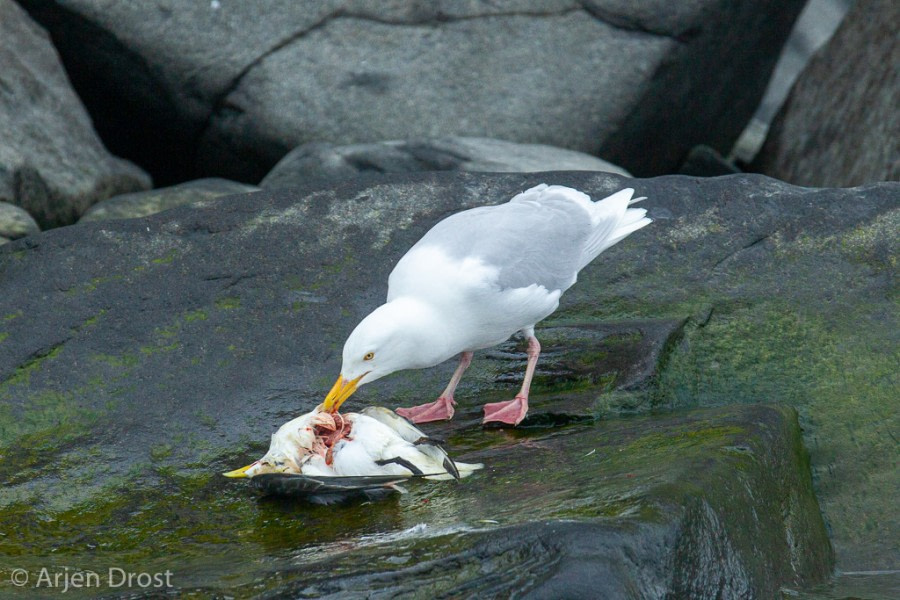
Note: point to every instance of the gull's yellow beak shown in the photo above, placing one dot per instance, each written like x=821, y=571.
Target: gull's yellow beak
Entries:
x=340, y=391
x=242, y=472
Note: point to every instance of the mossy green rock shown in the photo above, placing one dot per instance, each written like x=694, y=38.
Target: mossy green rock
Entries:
x=142, y=204
x=139, y=358
x=705, y=504
x=15, y=222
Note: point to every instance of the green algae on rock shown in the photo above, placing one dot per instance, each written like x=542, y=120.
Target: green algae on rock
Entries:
x=653, y=503
x=141, y=204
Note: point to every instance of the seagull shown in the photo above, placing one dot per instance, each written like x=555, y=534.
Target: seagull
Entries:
x=474, y=280
x=373, y=442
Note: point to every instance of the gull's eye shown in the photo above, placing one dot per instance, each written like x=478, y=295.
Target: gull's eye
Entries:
x=369, y=356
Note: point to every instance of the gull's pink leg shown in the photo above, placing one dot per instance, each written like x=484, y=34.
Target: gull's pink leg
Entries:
x=442, y=408
x=513, y=411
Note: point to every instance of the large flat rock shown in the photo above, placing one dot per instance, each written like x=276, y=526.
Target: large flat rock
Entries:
x=140, y=357
x=250, y=81
x=317, y=161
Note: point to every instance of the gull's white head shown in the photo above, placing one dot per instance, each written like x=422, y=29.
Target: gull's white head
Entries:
x=402, y=334
x=291, y=446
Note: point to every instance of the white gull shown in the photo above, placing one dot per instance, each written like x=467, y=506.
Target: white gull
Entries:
x=475, y=279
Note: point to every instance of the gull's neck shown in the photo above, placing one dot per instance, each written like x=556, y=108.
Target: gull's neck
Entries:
x=431, y=335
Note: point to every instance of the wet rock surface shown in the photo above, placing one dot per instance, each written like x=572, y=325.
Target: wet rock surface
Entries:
x=252, y=81
x=636, y=508
x=166, y=349
x=51, y=161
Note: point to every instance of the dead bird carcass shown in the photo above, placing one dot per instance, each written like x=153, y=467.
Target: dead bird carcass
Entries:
x=321, y=453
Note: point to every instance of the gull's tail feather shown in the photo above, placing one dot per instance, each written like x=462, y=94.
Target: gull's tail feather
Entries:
x=613, y=221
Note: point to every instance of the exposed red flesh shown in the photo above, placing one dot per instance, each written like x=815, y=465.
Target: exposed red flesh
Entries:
x=329, y=437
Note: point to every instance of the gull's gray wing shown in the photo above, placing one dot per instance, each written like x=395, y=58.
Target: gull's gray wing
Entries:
x=528, y=242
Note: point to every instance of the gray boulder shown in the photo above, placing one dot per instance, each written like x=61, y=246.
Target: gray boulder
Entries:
x=639, y=83
x=326, y=161
x=170, y=347
x=141, y=204
x=15, y=222
x=815, y=25
x=51, y=161
x=840, y=126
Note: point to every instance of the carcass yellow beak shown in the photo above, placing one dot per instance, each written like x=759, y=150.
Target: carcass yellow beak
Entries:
x=340, y=391
x=242, y=472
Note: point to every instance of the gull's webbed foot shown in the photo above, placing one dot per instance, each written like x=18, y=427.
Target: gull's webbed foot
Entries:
x=510, y=412
x=439, y=410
